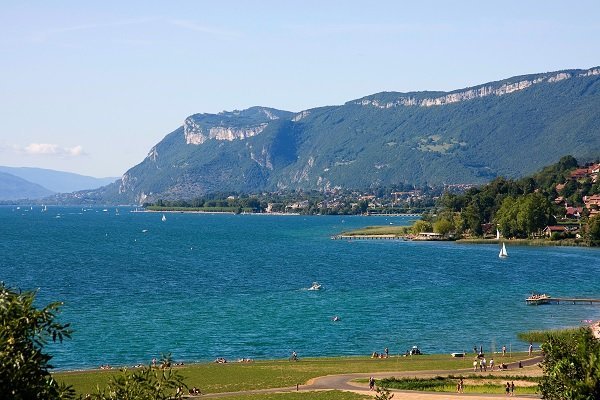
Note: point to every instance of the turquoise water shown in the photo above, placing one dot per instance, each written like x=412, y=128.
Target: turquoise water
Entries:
x=203, y=286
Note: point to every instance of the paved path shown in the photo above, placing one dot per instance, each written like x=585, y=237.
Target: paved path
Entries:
x=345, y=382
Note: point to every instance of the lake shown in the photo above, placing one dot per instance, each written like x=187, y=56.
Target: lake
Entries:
x=202, y=286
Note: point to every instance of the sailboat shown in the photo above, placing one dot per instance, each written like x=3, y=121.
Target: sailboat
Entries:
x=503, y=252
x=163, y=219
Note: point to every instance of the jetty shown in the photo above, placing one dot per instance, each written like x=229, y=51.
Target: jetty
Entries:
x=367, y=237
x=537, y=299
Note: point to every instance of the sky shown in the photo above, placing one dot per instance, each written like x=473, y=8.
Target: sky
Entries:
x=90, y=86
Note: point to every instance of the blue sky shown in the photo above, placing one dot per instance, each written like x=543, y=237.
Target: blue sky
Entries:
x=90, y=87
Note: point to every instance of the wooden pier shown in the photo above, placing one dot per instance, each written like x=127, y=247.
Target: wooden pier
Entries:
x=367, y=237
x=544, y=299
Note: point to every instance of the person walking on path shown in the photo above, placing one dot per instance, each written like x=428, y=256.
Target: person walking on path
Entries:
x=530, y=348
x=475, y=366
x=503, y=351
x=512, y=388
x=507, y=388
x=371, y=383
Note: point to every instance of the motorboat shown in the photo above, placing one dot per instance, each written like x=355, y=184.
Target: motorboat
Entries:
x=315, y=286
x=536, y=299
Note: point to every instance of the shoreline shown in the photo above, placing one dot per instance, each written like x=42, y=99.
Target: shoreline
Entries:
x=475, y=241
x=593, y=325
x=272, y=213
x=316, y=359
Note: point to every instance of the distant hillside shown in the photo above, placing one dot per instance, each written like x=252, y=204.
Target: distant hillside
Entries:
x=508, y=128
x=57, y=181
x=15, y=188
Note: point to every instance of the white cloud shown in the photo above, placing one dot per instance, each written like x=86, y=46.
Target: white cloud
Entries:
x=36, y=149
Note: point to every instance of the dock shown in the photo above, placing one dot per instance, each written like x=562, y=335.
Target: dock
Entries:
x=367, y=237
x=545, y=299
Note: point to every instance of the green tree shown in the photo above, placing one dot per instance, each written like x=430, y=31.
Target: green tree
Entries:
x=506, y=217
x=594, y=228
x=524, y=215
x=472, y=219
x=24, y=330
x=443, y=226
x=147, y=383
x=421, y=226
x=571, y=367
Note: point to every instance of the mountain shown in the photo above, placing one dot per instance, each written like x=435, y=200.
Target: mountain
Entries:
x=511, y=128
x=57, y=181
x=15, y=188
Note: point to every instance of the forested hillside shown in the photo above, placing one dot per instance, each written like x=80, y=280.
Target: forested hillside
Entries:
x=469, y=136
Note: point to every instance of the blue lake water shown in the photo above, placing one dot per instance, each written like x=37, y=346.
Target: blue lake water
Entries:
x=202, y=286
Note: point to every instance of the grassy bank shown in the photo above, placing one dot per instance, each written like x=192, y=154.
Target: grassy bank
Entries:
x=395, y=231
x=487, y=384
x=401, y=231
x=231, y=377
x=543, y=335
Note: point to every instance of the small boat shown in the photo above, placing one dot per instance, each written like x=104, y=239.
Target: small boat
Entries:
x=503, y=252
x=537, y=299
x=458, y=354
x=315, y=286
x=163, y=219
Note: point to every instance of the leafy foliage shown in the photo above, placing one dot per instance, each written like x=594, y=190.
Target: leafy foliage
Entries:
x=24, y=330
x=146, y=383
x=383, y=393
x=571, y=367
x=525, y=215
x=520, y=208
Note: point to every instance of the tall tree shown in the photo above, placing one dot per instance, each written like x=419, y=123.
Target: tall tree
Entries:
x=571, y=367
x=24, y=330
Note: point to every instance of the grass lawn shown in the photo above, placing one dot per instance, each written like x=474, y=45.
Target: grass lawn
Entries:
x=230, y=377
x=483, y=384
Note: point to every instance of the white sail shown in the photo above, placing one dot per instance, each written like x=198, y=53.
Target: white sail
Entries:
x=164, y=218
x=503, y=252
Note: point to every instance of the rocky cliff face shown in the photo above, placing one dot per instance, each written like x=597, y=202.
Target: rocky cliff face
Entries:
x=477, y=92
x=196, y=134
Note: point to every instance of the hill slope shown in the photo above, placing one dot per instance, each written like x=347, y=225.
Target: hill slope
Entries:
x=510, y=128
x=15, y=188
x=57, y=181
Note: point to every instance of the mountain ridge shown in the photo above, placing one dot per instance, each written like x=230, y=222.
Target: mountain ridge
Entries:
x=510, y=127
x=53, y=181
x=15, y=188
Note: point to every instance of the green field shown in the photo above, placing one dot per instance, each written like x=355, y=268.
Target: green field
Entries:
x=380, y=231
x=233, y=377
